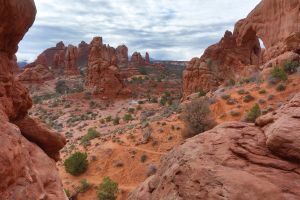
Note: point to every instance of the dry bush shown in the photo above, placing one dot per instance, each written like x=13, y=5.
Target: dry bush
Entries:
x=197, y=118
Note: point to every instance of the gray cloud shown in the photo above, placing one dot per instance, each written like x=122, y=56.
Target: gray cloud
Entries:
x=168, y=29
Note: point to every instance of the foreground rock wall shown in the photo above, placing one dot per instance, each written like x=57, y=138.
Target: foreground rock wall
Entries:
x=234, y=160
x=27, y=171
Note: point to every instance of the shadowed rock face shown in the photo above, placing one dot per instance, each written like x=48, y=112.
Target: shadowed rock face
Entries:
x=71, y=58
x=235, y=160
x=276, y=23
x=27, y=172
x=122, y=55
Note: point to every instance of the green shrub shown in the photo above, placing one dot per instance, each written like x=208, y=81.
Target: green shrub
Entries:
x=166, y=99
x=108, y=119
x=248, y=98
x=290, y=66
x=67, y=192
x=153, y=100
x=235, y=113
x=262, y=91
x=143, y=70
x=278, y=73
x=197, y=118
x=139, y=107
x=107, y=190
x=270, y=97
x=91, y=134
x=201, y=93
x=84, y=185
x=241, y=92
x=37, y=99
x=225, y=96
x=230, y=82
x=281, y=87
x=93, y=104
x=143, y=158
x=254, y=113
x=76, y=164
x=127, y=117
x=61, y=87
x=116, y=121
x=131, y=110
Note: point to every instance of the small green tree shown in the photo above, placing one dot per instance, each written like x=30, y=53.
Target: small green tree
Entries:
x=278, y=73
x=91, y=134
x=254, y=113
x=107, y=190
x=76, y=164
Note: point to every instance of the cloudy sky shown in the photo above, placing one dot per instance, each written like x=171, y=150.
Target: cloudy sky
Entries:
x=168, y=29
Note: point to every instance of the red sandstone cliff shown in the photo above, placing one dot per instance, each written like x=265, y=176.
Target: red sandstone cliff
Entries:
x=239, y=53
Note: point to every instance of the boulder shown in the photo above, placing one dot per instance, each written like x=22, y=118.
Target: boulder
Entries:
x=235, y=160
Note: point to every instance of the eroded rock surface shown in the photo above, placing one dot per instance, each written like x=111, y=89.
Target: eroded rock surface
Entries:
x=27, y=172
x=71, y=59
x=234, y=160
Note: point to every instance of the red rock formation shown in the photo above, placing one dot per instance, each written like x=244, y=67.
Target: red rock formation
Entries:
x=137, y=59
x=71, y=61
x=37, y=74
x=103, y=76
x=40, y=60
x=147, y=58
x=83, y=53
x=275, y=22
x=26, y=170
x=235, y=160
x=56, y=55
x=122, y=55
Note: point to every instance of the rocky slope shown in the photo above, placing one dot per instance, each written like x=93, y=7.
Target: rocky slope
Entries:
x=27, y=171
x=235, y=160
x=239, y=54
